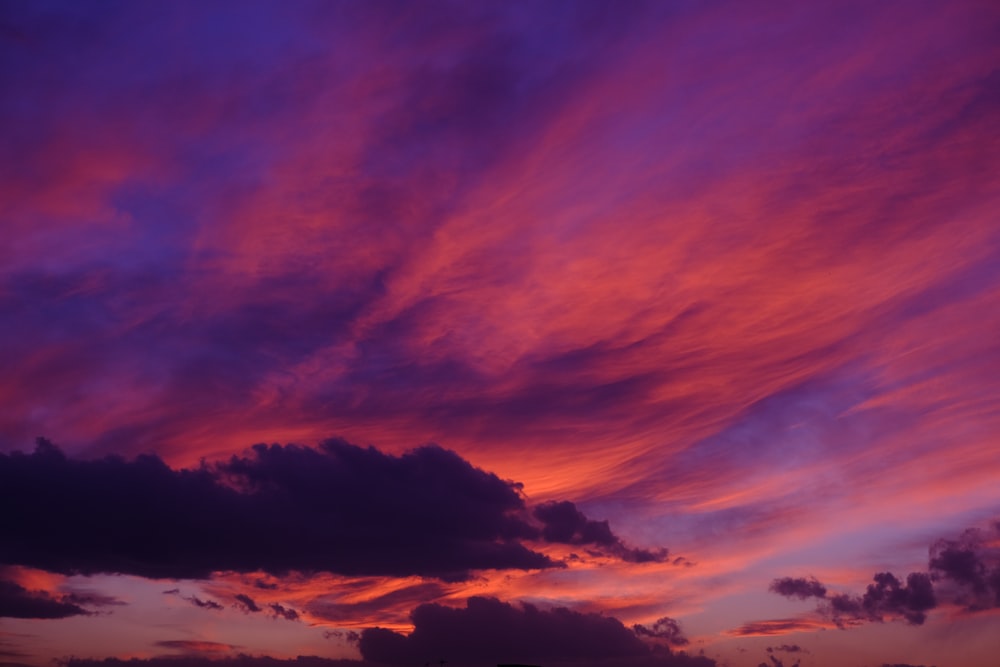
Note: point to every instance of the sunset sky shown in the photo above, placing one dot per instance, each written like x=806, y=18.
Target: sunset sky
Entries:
x=568, y=333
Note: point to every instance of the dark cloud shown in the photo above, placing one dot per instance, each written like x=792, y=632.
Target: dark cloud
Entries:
x=563, y=523
x=338, y=508
x=799, y=588
x=664, y=628
x=281, y=611
x=204, y=604
x=888, y=595
x=964, y=571
x=351, y=636
x=787, y=648
x=969, y=568
x=246, y=603
x=488, y=631
x=18, y=602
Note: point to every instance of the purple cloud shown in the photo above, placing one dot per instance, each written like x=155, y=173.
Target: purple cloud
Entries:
x=281, y=611
x=338, y=508
x=799, y=588
x=488, y=631
x=965, y=571
x=17, y=602
x=664, y=628
x=247, y=603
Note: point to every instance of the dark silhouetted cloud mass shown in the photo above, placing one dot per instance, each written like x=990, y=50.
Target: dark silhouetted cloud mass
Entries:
x=339, y=508
x=488, y=630
x=17, y=602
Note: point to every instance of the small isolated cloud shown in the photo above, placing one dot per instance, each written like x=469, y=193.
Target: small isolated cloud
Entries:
x=777, y=626
x=286, y=613
x=786, y=648
x=798, y=588
x=204, y=604
x=665, y=628
x=18, y=602
x=247, y=604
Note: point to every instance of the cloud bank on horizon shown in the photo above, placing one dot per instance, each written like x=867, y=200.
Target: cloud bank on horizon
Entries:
x=695, y=298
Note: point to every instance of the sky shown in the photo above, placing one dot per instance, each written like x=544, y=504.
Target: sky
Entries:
x=564, y=333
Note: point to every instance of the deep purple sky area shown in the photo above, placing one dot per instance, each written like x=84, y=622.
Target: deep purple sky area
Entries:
x=568, y=333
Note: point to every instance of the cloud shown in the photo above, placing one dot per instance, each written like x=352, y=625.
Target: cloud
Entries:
x=204, y=604
x=350, y=636
x=969, y=568
x=964, y=571
x=778, y=626
x=246, y=603
x=787, y=648
x=799, y=588
x=564, y=523
x=338, y=508
x=17, y=602
x=396, y=603
x=886, y=596
x=488, y=631
x=664, y=628
x=281, y=611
